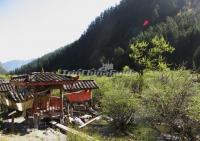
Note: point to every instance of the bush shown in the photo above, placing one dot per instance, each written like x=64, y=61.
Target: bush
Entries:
x=72, y=137
x=142, y=132
x=167, y=99
x=165, y=102
x=120, y=104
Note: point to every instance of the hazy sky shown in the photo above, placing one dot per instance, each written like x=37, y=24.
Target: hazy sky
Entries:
x=31, y=28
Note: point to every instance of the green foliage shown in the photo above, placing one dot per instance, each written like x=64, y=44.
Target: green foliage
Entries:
x=2, y=76
x=166, y=92
x=119, y=51
x=143, y=132
x=55, y=92
x=72, y=137
x=193, y=108
x=158, y=103
x=167, y=99
x=126, y=68
x=182, y=32
x=149, y=55
x=120, y=104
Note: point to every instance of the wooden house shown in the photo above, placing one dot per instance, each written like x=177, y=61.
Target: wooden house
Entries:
x=33, y=93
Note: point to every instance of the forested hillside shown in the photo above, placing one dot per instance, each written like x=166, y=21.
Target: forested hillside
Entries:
x=2, y=70
x=109, y=35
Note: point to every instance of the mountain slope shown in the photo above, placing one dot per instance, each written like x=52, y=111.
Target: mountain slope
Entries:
x=2, y=70
x=108, y=37
x=183, y=32
x=13, y=64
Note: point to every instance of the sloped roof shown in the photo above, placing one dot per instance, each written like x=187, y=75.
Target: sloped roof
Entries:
x=42, y=78
x=19, y=95
x=3, y=81
x=81, y=85
x=5, y=87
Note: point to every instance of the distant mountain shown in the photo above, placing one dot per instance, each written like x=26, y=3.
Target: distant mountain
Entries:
x=14, y=64
x=2, y=70
x=109, y=35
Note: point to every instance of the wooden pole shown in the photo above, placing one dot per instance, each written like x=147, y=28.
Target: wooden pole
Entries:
x=13, y=126
x=12, y=120
x=35, y=120
x=61, y=108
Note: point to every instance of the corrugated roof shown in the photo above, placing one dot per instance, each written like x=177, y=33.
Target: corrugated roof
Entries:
x=81, y=85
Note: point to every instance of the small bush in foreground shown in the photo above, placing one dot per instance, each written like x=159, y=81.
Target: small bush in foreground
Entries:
x=121, y=105
x=72, y=137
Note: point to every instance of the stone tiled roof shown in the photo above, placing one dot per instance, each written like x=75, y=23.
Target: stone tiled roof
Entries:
x=8, y=90
x=41, y=77
x=19, y=95
x=3, y=81
x=81, y=85
x=5, y=87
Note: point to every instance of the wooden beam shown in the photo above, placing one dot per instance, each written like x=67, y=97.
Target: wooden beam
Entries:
x=12, y=113
x=75, y=132
x=90, y=121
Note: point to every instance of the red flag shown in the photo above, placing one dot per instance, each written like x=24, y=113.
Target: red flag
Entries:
x=146, y=22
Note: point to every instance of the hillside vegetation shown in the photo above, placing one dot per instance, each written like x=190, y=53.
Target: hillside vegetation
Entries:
x=2, y=70
x=156, y=106
x=108, y=36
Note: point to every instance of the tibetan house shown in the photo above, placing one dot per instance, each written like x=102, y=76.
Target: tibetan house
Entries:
x=35, y=93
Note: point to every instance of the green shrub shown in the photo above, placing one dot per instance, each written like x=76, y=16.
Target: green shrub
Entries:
x=167, y=102
x=167, y=99
x=142, y=132
x=72, y=137
x=126, y=68
x=120, y=104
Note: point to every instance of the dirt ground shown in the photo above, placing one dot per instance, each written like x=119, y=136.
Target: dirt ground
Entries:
x=37, y=135
x=22, y=133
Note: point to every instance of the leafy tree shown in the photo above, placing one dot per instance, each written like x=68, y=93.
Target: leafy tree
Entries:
x=150, y=55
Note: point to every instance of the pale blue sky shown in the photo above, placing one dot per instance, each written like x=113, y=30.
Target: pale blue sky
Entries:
x=32, y=28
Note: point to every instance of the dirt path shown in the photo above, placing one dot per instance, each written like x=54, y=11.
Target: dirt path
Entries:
x=35, y=135
x=24, y=134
